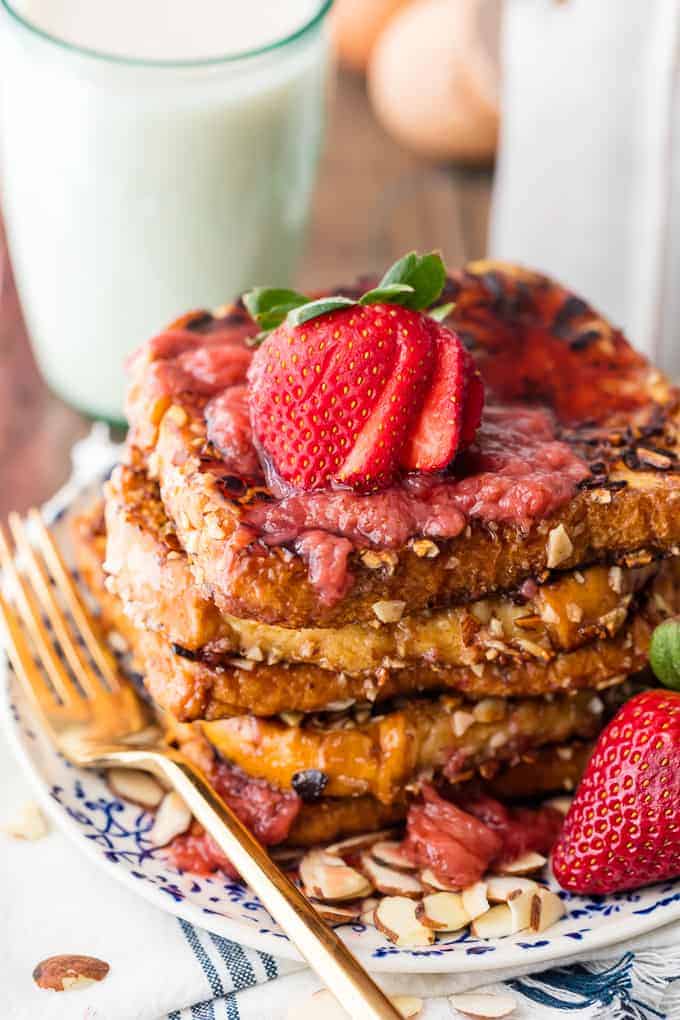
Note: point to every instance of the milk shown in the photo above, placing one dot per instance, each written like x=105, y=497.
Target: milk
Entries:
x=135, y=188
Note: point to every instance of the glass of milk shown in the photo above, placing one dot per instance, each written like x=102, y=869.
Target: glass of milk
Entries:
x=155, y=156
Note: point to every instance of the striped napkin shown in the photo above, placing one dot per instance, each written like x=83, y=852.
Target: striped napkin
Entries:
x=56, y=901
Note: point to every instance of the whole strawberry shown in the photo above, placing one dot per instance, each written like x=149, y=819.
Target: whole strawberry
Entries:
x=623, y=828
x=350, y=393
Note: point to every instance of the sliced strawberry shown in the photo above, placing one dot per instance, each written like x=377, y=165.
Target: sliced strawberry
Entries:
x=437, y=432
x=474, y=405
x=332, y=400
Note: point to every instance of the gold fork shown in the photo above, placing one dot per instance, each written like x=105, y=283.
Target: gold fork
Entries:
x=97, y=720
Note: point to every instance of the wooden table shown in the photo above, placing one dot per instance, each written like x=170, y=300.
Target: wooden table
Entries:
x=374, y=202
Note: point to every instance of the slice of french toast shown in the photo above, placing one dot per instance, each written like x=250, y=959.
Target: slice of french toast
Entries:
x=576, y=462
x=191, y=688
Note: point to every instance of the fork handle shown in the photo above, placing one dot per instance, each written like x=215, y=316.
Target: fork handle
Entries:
x=321, y=947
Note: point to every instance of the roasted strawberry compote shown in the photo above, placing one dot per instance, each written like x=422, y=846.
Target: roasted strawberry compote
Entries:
x=269, y=813
x=460, y=842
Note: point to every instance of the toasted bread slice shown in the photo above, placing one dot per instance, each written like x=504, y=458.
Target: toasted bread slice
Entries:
x=149, y=572
x=192, y=689
x=382, y=756
x=586, y=403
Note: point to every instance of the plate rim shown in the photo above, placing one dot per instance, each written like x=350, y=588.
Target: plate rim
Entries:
x=607, y=933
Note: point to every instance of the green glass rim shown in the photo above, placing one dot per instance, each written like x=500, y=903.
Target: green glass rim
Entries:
x=113, y=58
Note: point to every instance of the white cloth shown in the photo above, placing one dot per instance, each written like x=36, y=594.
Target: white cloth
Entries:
x=56, y=901
x=588, y=180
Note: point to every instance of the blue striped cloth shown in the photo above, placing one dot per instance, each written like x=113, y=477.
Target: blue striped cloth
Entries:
x=631, y=985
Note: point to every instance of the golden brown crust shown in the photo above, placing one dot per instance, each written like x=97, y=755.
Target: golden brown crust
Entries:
x=192, y=690
x=533, y=341
x=382, y=756
x=150, y=573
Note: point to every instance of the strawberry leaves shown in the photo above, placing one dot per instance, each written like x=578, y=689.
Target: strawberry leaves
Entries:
x=414, y=282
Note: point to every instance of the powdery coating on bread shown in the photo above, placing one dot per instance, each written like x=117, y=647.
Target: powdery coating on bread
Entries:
x=536, y=345
x=191, y=689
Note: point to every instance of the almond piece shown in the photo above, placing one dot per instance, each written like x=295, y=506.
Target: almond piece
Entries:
x=561, y=804
x=526, y=864
x=322, y=1005
x=390, y=852
x=62, y=973
x=172, y=819
x=390, y=881
x=433, y=884
x=337, y=913
x=495, y=923
x=442, y=911
x=327, y=877
x=355, y=843
x=395, y=917
x=521, y=905
x=28, y=823
x=559, y=546
x=484, y=1004
x=389, y=611
x=500, y=888
x=136, y=786
x=368, y=906
x=475, y=901
x=546, y=909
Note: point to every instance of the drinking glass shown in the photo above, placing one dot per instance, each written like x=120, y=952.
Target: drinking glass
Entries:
x=134, y=189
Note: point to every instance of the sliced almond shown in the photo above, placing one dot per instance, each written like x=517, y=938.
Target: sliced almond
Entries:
x=28, y=823
x=432, y=883
x=395, y=917
x=390, y=852
x=500, y=888
x=442, y=911
x=172, y=819
x=367, y=908
x=495, y=923
x=322, y=1005
x=546, y=909
x=390, y=881
x=337, y=913
x=357, y=843
x=483, y=1004
x=561, y=804
x=521, y=905
x=526, y=864
x=136, y=786
x=475, y=901
x=326, y=877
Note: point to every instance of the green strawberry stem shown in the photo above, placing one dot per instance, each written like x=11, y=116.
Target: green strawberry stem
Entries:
x=414, y=281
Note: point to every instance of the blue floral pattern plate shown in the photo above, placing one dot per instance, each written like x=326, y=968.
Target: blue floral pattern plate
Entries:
x=115, y=834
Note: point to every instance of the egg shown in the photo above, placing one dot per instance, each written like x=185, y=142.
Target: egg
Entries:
x=357, y=25
x=433, y=79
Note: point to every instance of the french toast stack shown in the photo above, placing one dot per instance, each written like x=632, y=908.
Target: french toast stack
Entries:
x=321, y=654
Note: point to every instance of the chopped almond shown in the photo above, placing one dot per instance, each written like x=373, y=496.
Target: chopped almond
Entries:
x=495, y=923
x=432, y=883
x=527, y=864
x=390, y=881
x=172, y=819
x=337, y=913
x=28, y=823
x=136, y=786
x=390, y=852
x=483, y=1004
x=355, y=843
x=546, y=909
x=475, y=901
x=442, y=911
x=500, y=888
x=395, y=917
x=326, y=877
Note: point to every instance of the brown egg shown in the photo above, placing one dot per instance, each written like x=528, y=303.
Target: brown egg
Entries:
x=433, y=79
x=357, y=25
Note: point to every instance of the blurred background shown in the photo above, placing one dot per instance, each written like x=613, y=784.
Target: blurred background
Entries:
x=583, y=180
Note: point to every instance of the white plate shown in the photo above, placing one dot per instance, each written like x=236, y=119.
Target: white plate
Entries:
x=114, y=834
